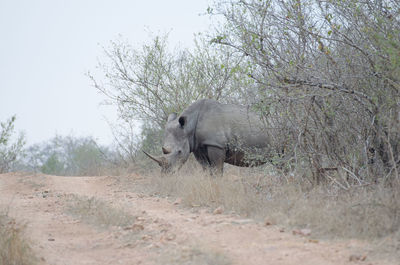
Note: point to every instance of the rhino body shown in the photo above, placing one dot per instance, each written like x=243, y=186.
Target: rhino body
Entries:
x=215, y=133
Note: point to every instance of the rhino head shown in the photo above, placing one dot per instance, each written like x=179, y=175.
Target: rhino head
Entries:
x=176, y=145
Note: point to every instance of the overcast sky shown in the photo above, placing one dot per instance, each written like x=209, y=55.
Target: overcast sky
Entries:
x=47, y=46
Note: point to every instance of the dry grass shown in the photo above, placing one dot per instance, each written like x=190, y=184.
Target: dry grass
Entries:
x=97, y=212
x=194, y=255
x=370, y=212
x=14, y=247
x=199, y=189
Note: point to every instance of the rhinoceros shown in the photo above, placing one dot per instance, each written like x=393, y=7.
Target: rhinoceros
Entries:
x=215, y=133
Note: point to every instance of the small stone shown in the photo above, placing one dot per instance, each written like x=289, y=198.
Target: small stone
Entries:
x=178, y=201
x=302, y=232
x=219, y=210
x=51, y=239
x=146, y=237
x=154, y=245
x=135, y=227
x=355, y=258
x=243, y=221
x=267, y=222
x=170, y=236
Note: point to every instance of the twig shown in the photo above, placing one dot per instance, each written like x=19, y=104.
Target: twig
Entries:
x=353, y=175
x=337, y=182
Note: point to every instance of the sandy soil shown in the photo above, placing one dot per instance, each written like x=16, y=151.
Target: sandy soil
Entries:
x=162, y=232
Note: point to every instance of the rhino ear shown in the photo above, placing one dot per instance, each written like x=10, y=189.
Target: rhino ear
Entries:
x=182, y=121
x=172, y=117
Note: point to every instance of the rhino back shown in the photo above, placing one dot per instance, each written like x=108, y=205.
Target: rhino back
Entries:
x=222, y=124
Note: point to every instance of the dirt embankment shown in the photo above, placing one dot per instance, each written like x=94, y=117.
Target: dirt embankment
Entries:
x=97, y=220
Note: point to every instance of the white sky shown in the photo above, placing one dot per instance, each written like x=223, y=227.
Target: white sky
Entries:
x=47, y=46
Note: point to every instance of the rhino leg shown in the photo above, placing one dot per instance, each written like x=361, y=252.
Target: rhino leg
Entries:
x=202, y=157
x=216, y=158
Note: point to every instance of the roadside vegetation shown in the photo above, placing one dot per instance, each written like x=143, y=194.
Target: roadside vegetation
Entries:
x=11, y=145
x=69, y=156
x=364, y=213
x=14, y=246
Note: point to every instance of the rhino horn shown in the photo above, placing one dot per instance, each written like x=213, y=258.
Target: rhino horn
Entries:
x=160, y=160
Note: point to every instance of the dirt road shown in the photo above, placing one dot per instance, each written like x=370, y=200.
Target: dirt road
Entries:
x=150, y=230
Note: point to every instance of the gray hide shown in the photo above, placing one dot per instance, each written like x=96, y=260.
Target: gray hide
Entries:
x=215, y=133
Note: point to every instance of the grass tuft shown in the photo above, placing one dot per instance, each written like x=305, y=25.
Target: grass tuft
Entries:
x=14, y=247
x=97, y=212
x=193, y=255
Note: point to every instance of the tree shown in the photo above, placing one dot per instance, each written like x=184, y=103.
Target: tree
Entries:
x=327, y=74
x=148, y=84
x=10, y=149
x=69, y=156
x=53, y=165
